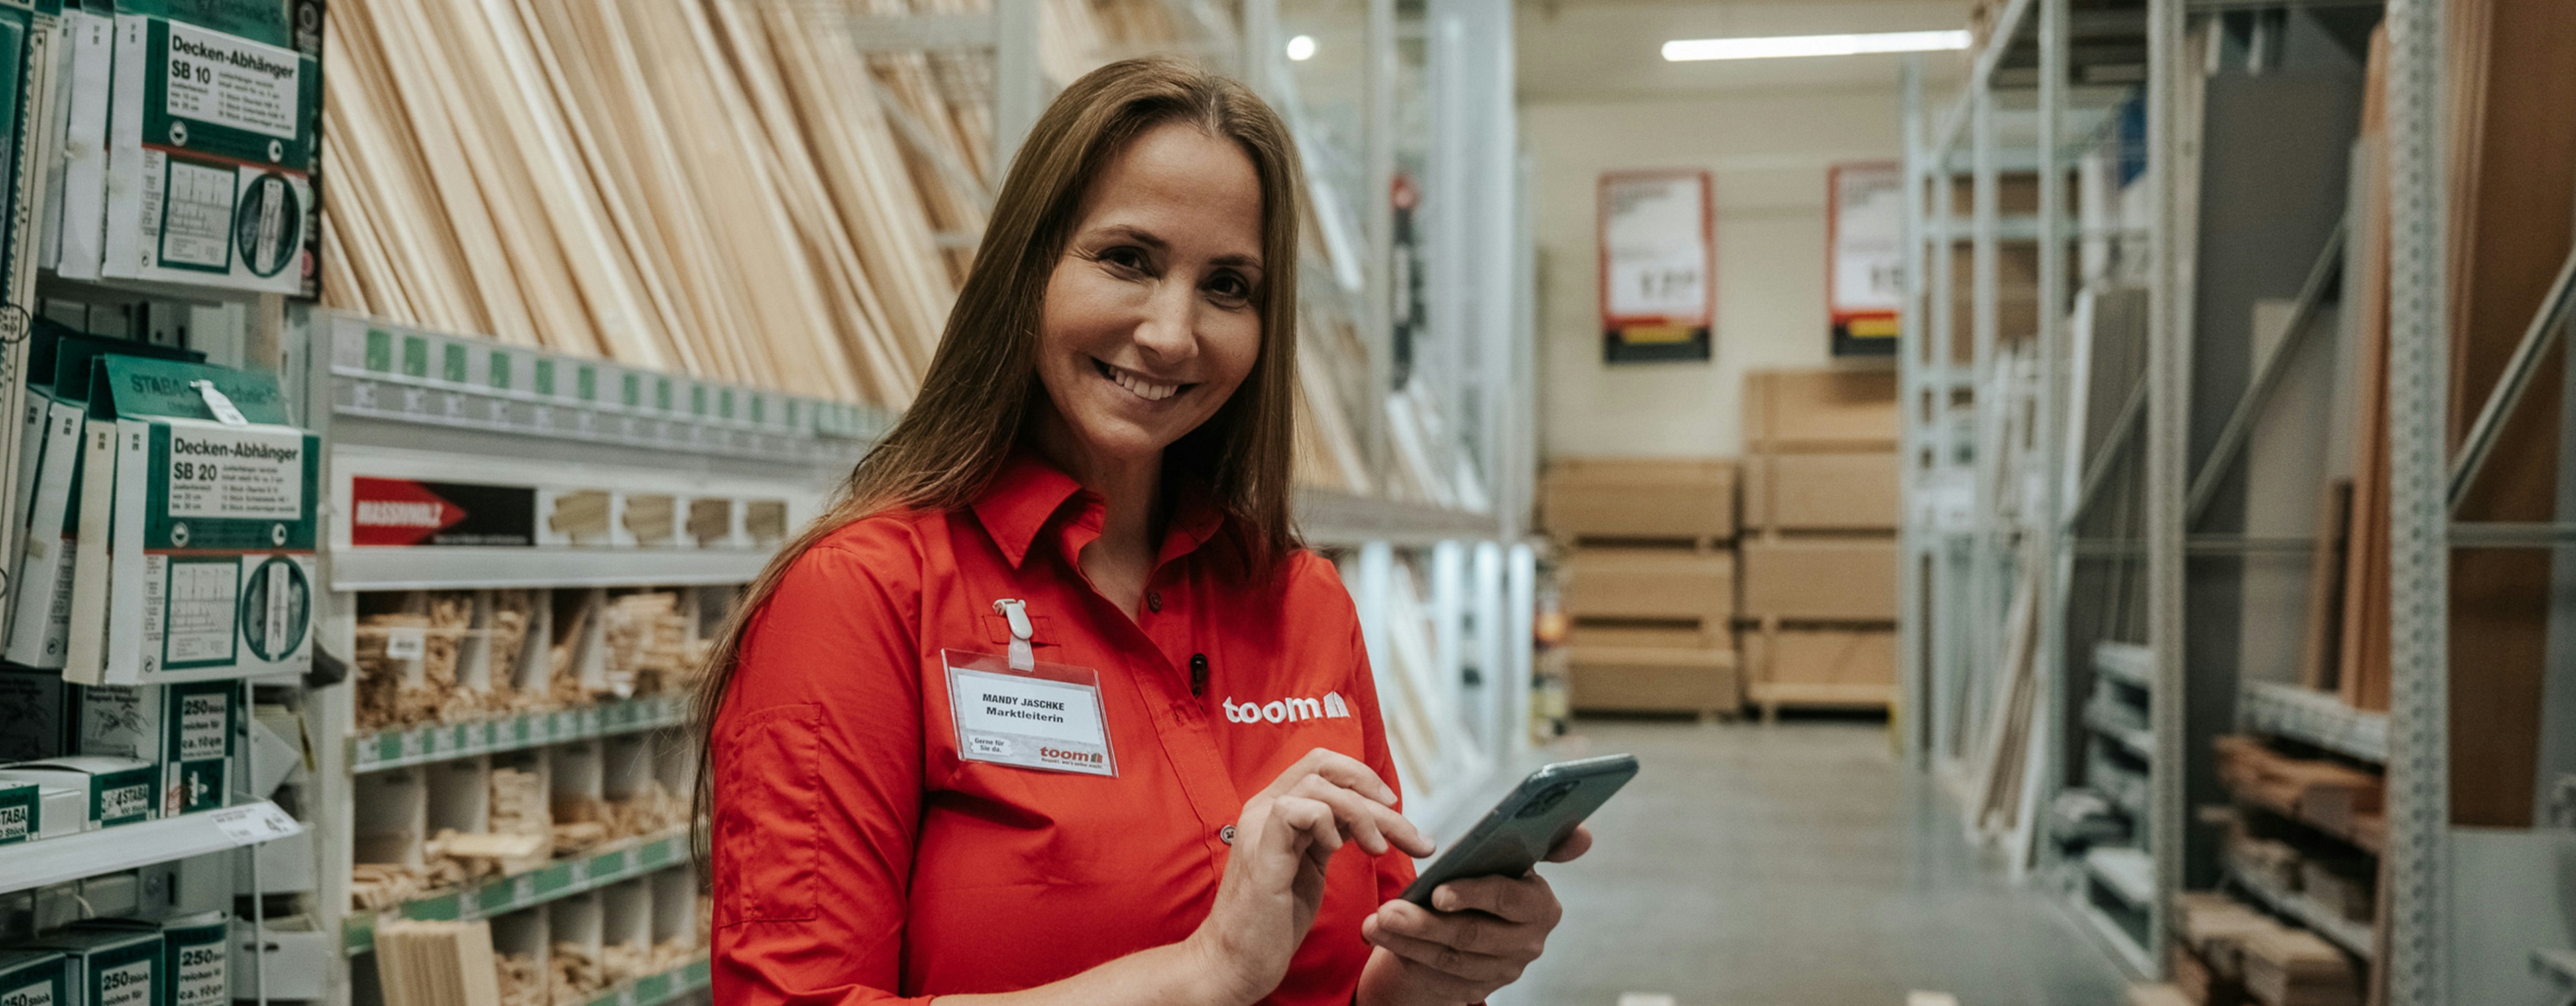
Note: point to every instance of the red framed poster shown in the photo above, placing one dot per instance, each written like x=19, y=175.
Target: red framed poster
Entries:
x=1658, y=232
x=1865, y=256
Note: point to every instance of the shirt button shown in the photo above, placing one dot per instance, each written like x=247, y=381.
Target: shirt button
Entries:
x=1225, y=834
x=1154, y=600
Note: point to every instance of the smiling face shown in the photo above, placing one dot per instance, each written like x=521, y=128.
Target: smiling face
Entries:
x=1153, y=314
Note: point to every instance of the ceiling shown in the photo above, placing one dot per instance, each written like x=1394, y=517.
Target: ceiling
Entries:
x=1596, y=50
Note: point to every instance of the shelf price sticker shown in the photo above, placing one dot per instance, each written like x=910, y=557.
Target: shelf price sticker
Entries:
x=414, y=745
x=469, y=903
x=523, y=889
x=580, y=872
x=251, y=825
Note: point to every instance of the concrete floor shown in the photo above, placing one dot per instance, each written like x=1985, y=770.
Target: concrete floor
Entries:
x=1793, y=865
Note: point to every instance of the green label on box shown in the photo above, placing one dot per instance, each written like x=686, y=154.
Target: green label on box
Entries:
x=18, y=807
x=415, y=362
x=380, y=350
x=454, y=369
x=634, y=390
x=697, y=399
x=545, y=377
x=586, y=383
x=500, y=370
x=662, y=394
x=121, y=797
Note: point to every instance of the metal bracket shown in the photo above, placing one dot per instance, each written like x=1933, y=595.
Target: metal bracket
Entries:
x=2267, y=378
x=2543, y=331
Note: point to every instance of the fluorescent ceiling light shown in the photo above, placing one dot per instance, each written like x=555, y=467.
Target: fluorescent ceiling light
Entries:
x=1301, y=48
x=1777, y=46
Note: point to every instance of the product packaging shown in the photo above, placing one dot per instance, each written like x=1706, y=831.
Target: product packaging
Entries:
x=35, y=715
x=186, y=730
x=108, y=967
x=81, y=207
x=112, y=791
x=197, y=527
x=211, y=145
x=33, y=978
x=195, y=964
x=49, y=474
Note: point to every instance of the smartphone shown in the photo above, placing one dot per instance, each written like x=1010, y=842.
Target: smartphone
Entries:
x=1520, y=830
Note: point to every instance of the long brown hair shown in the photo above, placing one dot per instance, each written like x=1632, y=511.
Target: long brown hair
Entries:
x=982, y=385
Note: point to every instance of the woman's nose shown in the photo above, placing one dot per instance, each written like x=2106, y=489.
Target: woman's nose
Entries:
x=1168, y=332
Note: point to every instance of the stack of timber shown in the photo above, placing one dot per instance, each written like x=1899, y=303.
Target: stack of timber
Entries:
x=1649, y=582
x=2228, y=953
x=1819, y=550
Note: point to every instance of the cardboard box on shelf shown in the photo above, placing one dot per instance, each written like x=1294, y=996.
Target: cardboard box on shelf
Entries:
x=1654, y=679
x=2294, y=967
x=1820, y=579
x=1820, y=666
x=1820, y=410
x=111, y=791
x=1633, y=584
x=1651, y=633
x=1821, y=491
x=184, y=730
x=109, y=967
x=1640, y=498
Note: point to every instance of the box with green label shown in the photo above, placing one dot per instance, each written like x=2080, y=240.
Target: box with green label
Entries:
x=33, y=978
x=186, y=730
x=112, y=791
x=108, y=967
x=197, y=528
x=195, y=964
x=214, y=110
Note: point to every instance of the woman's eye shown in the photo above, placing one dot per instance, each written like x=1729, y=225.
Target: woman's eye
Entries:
x=1125, y=258
x=1229, y=288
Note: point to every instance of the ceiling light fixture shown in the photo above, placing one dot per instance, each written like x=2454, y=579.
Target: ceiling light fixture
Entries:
x=1301, y=48
x=1778, y=46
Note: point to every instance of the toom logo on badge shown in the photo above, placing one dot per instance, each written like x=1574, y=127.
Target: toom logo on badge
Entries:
x=1055, y=754
x=1330, y=706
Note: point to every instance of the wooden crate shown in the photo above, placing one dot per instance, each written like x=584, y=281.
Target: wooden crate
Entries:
x=1820, y=410
x=1651, y=585
x=1825, y=667
x=1820, y=579
x=1655, y=679
x=1684, y=500
x=1821, y=491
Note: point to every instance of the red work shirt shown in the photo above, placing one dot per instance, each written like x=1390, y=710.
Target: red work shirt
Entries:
x=858, y=858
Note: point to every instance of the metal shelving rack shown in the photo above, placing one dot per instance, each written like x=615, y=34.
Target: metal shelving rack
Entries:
x=1954, y=529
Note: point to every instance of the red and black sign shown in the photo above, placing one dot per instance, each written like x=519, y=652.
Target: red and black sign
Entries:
x=404, y=512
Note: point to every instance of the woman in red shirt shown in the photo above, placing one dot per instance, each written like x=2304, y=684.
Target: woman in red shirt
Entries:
x=1051, y=707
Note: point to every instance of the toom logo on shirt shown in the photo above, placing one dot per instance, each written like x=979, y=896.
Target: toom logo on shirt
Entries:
x=1330, y=706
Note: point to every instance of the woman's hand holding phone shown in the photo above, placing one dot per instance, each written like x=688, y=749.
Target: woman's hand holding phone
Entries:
x=1274, y=880
x=1478, y=936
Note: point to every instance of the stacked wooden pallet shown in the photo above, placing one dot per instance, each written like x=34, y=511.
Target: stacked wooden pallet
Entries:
x=1649, y=582
x=1819, y=549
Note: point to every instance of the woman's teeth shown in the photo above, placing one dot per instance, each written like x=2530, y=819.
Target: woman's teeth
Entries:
x=1148, y=390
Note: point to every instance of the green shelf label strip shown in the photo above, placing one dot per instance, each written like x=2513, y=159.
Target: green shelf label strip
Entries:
x=501, y=895
x=654, y=990
x=391, y=749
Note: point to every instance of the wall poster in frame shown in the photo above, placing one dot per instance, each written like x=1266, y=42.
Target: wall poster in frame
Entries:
x=1658, y=265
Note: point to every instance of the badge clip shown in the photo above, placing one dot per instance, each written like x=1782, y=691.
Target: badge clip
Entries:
x=1016, y=611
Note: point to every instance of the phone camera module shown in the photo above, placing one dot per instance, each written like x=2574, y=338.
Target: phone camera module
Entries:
x=1547, y=799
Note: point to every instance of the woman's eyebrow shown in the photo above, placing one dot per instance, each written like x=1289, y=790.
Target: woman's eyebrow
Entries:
x=1149, y=239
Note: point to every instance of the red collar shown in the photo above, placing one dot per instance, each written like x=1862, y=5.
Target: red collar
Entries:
x=1030, y=491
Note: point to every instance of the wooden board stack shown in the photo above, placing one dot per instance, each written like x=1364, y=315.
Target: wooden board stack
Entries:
x=1649, y=582
x=437, y=963
x=1819, y=551
x=519, y=170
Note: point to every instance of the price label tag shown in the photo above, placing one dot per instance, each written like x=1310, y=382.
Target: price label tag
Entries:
x=543, y=417
x=453, y=404
x=630, y=861
x=259, y=822
x=415, y=400
x=362, y=394
x=500, y=411
x=586, y=422
x=523, y=888
x=406, y=644
x=469, y=903
x=581, y=872
x=626, y=996
x=414, y=745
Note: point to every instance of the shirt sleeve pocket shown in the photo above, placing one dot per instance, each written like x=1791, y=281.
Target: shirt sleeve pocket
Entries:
x=768, y=810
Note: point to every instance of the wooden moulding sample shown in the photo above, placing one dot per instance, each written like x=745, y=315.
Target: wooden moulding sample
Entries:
x=1820, y=579
x=1654, y=679
x=1821, y=492
x=1650, y=584
x=2294, y=967
x=1640, y=498
x=1826, y=410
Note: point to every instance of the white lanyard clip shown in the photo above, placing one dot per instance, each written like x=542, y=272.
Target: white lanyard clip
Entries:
x=1016, y=611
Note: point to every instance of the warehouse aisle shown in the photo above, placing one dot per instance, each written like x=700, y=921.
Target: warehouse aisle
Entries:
x=1794, y=865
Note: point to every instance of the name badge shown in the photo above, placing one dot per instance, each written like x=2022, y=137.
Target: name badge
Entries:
x=1046, y=717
